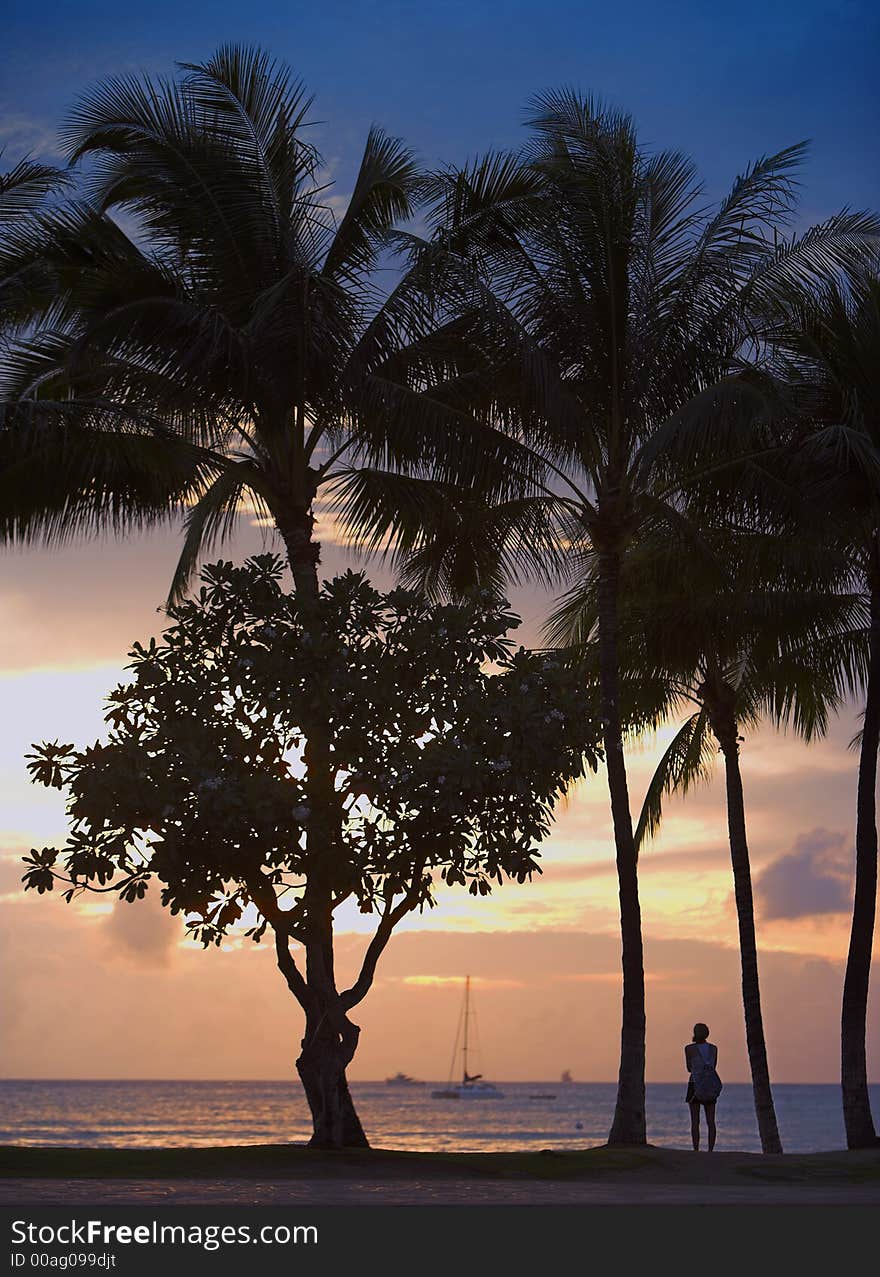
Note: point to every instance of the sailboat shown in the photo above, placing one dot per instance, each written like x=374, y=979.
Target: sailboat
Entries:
x=472, y=1085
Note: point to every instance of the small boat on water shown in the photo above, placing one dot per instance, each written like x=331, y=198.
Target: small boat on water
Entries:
x=472, y=1086
x=566, y=1077
x=403, y=1079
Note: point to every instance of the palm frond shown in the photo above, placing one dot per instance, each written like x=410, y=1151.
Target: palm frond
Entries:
x=24, y=188
x=383, y=194
x=687, y=761
x=213, y=517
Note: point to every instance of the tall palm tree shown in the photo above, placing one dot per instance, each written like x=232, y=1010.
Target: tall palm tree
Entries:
x=215, y=336
x=743, y=627
x=829, y=354
x=614, y=312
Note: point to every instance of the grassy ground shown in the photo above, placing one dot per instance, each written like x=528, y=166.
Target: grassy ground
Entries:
x=283, y=1161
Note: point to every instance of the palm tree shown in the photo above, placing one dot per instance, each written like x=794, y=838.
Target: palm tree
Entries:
x=25, y=286
x=829, y=354
x=743, y=627
x=614, y=311
x=24, y=191
x=215, y=336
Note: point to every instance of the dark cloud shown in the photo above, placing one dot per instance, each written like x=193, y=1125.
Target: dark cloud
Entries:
x=815, y=877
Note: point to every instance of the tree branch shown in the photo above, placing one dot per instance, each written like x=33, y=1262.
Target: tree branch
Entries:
x=389, y=920
x=283, y=921
x=84, y=886
x=291, y=972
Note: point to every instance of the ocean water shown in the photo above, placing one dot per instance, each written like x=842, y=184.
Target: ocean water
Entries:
x=102, y=1114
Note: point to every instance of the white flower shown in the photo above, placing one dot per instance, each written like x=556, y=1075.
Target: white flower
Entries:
x=269, y=632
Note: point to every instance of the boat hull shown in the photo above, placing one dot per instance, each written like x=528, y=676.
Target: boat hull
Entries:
x=468, y=1093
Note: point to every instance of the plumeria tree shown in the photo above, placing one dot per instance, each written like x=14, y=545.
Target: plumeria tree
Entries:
x=448, y=750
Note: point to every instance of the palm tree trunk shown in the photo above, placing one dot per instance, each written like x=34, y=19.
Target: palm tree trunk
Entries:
x=325, y=1051
x=860, y=1132
x=726, y=731
x=628, y=1126
x=303, y=552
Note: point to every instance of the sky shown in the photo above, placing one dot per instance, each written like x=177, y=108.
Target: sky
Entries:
x=93, y=990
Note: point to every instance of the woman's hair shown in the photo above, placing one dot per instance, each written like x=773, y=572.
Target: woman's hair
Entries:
x=701, y=1032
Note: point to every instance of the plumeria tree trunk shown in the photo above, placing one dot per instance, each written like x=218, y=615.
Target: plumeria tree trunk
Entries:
x=860, y=1131
x=330, y=1038
x=628, y=1126
x=327, y=1047
x=326, y=1052
x=725, y=728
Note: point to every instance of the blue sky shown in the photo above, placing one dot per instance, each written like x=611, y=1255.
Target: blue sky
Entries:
x=726, y=83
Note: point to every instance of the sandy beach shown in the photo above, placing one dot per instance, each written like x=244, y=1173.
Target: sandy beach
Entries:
x=274, y=1175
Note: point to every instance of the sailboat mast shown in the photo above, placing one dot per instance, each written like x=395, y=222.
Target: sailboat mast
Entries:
x=467, y=1003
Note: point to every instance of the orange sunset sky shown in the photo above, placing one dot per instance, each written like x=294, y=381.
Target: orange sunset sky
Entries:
x=97, y=990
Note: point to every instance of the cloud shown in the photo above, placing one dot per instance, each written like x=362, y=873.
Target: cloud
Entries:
x=78, y=1001
x=815, y=877
x=607, y=977
x=27, y=135
x=696, y=860
x=83, y=604
x=11, y=870
x=142, y=932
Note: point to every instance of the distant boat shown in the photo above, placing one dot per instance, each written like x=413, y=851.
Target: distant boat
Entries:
x=402, y=1079
x=566, y=1077
x=472, y=1085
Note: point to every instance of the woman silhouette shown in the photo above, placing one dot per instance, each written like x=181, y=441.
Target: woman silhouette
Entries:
x=700, y=1047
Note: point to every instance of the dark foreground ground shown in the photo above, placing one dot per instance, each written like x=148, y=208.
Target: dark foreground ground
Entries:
x=280, y=1174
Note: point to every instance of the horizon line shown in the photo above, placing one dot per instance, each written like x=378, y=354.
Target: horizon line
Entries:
x=230, y=1081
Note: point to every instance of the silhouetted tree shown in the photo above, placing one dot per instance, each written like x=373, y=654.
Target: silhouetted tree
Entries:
x=828, y=358
x=441, y=770
x=215, y=338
